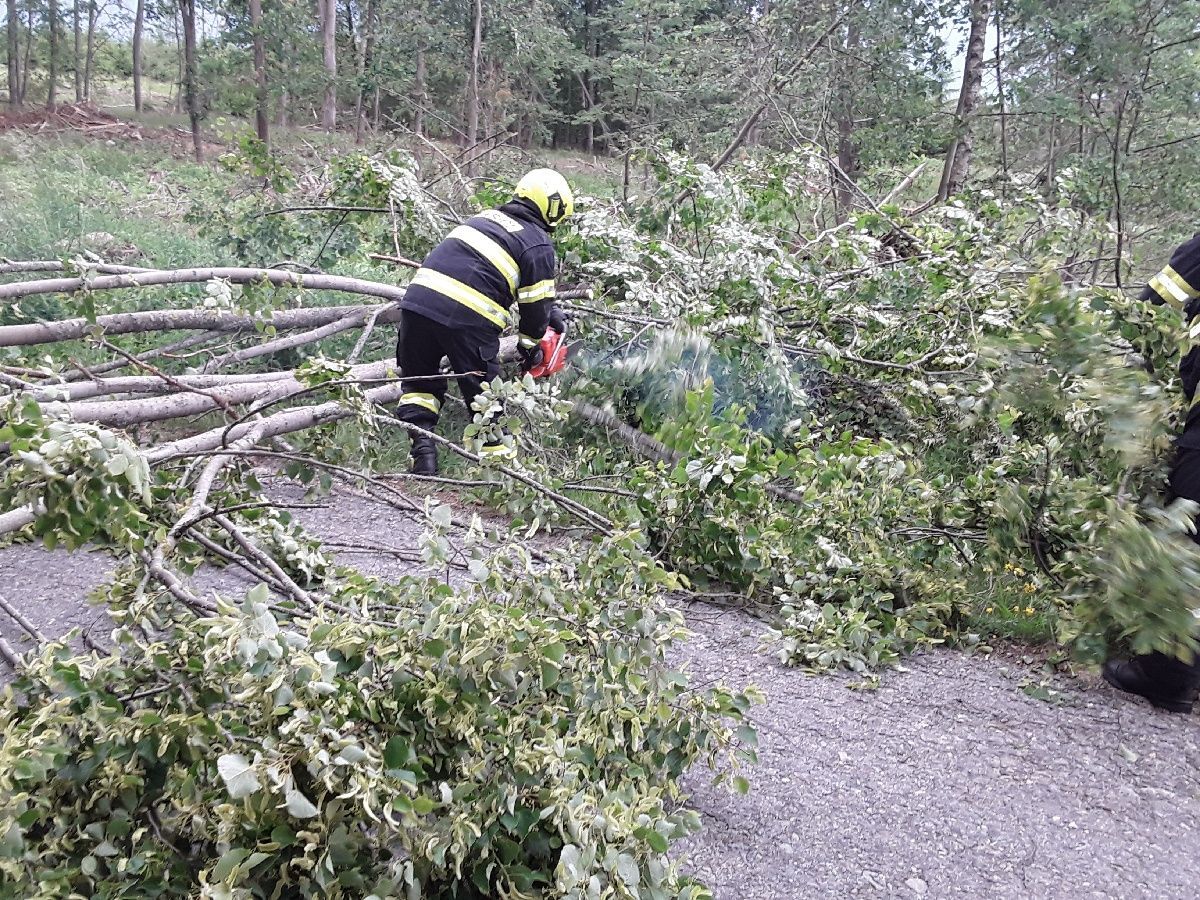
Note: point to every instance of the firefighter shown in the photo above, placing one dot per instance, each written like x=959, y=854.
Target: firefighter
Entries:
x=458, y=303
x=1165, y=681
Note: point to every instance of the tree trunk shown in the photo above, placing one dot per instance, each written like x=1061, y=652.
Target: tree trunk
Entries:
x=14, y=55
x=26, y=66
x=847, y=150
x=284, y=97
x=89, y=66
x=261, y=125
x=366, y=52
x=179, y=78
x=473, y=79
x=958, y=159
x=418, y=124
x=1000, y=97
x=52, y=24
x=77, y=50
x=328, y=12
x=139, y=22
x=187, y=9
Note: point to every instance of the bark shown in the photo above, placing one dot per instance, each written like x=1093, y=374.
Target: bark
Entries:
x=473, y=98
x=52, y=23
x=847, y=151
x=14, y=54
x=77, y=53
x=25, y=66
x=261, y=124
x=354, y=320
x=187, y=11
x=418, y=124
x=89, y=63
x=1000, y=96
x=177, y=106
x=185, y=319
x=139, y=23
x=328, y=13
x=958, y=159
x=585, y=83
x=366, y=61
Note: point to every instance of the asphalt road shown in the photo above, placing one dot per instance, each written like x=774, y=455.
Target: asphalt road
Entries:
x=945, y=781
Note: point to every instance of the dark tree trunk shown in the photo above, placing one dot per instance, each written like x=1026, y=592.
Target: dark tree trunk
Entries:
x=847, y=149
x=89, y=67
x=958, y=159
x=261, y=125
x=418, y=124
x=1000, y=96
x=187, y=10
x=139, y=23
x=77, y=50
x=14, y=55
x=52, y=90
x=26, y=66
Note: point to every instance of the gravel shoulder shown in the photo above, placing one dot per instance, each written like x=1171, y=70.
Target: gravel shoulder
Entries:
x=945, y=781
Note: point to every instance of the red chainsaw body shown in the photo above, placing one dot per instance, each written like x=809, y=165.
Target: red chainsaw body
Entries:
x=554, y=354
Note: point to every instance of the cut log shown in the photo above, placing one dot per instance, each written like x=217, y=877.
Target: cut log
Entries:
x=180, y=320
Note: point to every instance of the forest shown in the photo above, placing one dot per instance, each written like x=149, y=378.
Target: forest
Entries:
x=859, y=355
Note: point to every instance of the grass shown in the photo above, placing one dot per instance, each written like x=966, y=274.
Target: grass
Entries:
x=64, y=194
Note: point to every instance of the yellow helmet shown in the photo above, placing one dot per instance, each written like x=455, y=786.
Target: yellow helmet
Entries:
x=549, y=192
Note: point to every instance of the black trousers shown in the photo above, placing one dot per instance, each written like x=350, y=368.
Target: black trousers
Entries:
x=1184, y=482
x=471, y=351
x=1185, y=478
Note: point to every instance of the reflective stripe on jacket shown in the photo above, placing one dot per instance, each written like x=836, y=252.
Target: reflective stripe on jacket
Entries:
x=494, y=260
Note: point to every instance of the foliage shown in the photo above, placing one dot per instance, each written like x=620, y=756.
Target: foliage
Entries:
x=429, y=755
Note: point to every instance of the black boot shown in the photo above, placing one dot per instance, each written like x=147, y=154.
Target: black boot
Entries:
x=424, y=455
x=1163, y=680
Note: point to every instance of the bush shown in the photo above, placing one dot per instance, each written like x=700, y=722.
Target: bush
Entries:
x=520, y=736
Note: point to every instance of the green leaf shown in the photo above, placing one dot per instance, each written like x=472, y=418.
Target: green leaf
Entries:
x=396, y=753
x=658, y=843
x=555, y=652
x=228, y=862
x=435, y=648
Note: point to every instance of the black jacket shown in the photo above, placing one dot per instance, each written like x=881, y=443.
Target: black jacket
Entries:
x=483, y=266
x=1179, y=286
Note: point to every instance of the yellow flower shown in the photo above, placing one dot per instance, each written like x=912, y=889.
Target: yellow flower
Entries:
x=988, y=610
x=1029, y=610
x=1008, y=567
x=1030, y=587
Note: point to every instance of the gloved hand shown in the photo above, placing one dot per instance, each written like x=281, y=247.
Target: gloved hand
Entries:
x=530, y=356
x=556, y=320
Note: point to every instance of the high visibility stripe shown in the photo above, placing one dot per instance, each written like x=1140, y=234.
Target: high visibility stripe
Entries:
x=1173, y=288
x=497, y=451
x=491, y=251
x=464, y=294
x=417, y=398
x=535, y=292
x=525, y=341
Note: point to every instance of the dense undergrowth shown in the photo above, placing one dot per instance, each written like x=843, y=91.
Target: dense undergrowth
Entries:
x=891, y=433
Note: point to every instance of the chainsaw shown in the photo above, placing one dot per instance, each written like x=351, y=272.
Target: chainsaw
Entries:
x=554, y=354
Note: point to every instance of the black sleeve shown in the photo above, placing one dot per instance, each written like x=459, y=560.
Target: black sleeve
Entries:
x=1179, y=282
x=535, y=294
